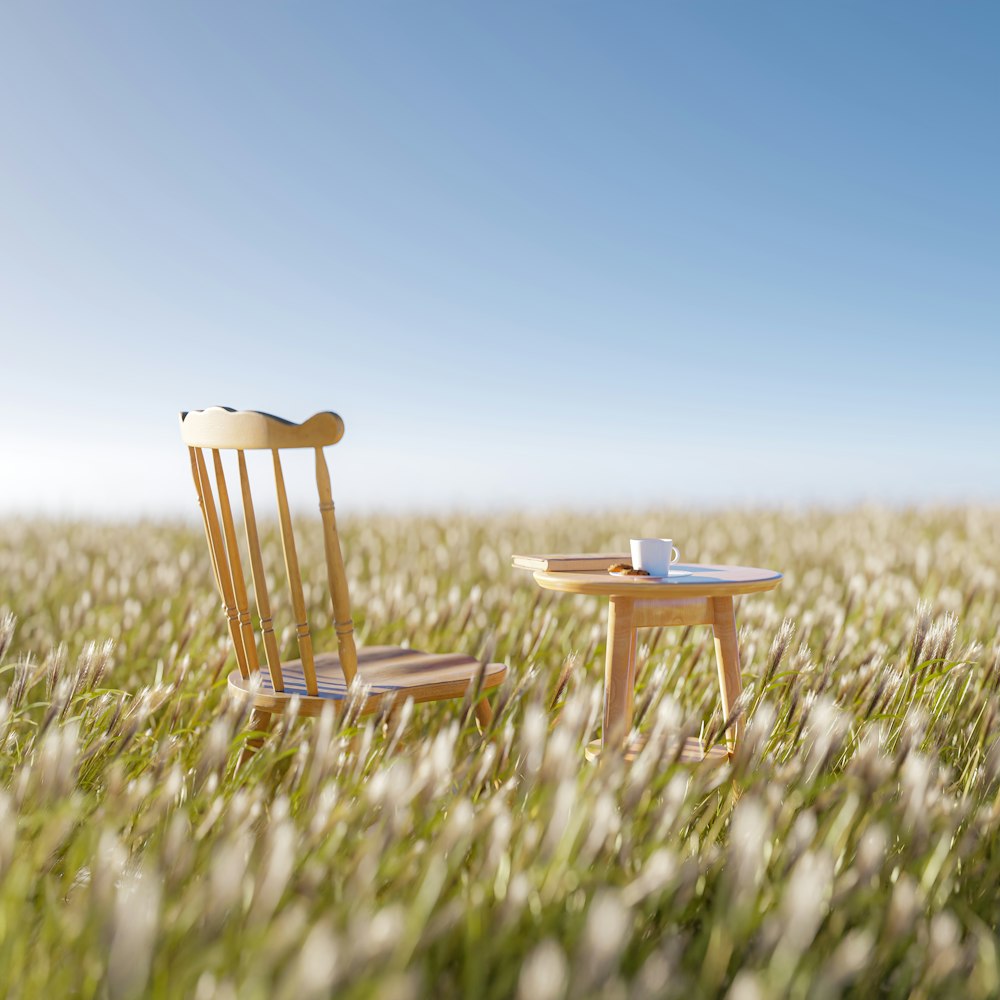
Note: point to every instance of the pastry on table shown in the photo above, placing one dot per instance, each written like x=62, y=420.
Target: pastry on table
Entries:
x=626, y=569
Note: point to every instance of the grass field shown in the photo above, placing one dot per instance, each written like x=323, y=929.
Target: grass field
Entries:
x=853, y=849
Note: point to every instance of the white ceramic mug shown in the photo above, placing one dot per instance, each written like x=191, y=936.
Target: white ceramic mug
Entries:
x=654, y=555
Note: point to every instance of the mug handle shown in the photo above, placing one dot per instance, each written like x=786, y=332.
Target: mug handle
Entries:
x=675, y=554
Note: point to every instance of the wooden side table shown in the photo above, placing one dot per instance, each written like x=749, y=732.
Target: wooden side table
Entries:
x=697, y=595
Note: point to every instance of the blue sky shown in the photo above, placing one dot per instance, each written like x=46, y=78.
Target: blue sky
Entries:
x=564, y=254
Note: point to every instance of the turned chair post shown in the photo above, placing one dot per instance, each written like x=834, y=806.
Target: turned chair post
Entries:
x=336, y=576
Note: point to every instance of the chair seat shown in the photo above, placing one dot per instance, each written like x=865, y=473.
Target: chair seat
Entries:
x=417, y=675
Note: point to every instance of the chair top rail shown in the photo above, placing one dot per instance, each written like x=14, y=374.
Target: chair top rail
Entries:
x=222, y=427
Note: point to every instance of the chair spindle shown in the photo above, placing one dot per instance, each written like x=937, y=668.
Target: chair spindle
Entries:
x=222, y=574
x=294, y=579
x=236, y=566
x=204, y=518
x=260, y=580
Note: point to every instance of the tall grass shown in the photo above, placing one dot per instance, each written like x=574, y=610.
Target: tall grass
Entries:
x=852, y=849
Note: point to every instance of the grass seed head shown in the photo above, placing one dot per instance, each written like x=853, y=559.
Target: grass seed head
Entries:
x=544, y=974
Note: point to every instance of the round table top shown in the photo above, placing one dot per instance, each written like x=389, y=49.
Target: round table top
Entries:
x=701, y=580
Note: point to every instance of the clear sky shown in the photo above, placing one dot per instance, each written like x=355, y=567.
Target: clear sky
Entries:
x=572, y=254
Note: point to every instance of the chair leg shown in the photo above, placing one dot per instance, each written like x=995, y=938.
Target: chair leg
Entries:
x=260, y=722
x=484, y=713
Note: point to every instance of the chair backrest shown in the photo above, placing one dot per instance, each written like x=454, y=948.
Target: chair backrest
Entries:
x=218, y=429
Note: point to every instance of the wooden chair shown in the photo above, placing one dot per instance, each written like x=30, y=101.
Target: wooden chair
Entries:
x=316, y=678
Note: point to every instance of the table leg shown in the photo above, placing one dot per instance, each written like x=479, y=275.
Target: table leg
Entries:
x=727, y=656
x=619, y=672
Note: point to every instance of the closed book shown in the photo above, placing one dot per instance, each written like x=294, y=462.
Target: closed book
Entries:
x=565, y=563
